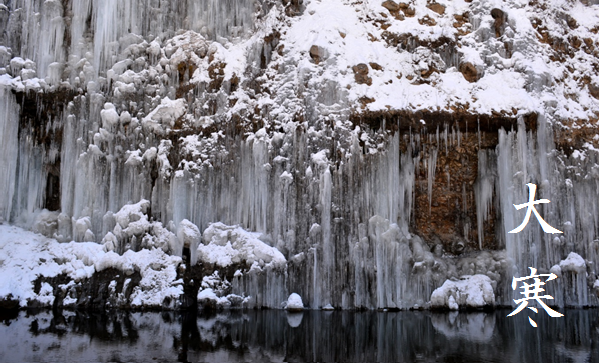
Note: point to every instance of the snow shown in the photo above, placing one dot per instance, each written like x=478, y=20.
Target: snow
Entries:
x=215, y=290
x=468, y=292
x=573, y=263
x=26, y=256
x=109, y=115
x=165, y=115
x=226, y=245
x=189, y=236
x=294, y=302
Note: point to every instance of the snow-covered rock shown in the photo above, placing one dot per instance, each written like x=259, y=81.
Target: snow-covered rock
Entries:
x=26, y=257
x=468, y=292
x=573, y=263
x=294, y=303
x=226, y=245
x=165, y=115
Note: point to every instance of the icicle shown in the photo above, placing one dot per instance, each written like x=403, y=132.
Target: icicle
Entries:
x=478, y=132
x=484, y=191
x=445, y=133
x=9, y=146
x=432, y=164
x=328, y=247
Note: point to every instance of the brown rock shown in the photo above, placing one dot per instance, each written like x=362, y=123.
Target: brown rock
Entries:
x=427, y=21
x=376, y=66
x=460, y=21
x=408, y=10
x=393, y=8
x=365, y=100
x=361, y=74
x=390, y=5
x=469, y=71
x=594, y=90
x=361, y=68
x=571, y=22
x=317, y=53
x=437, y=8
x=500, y=21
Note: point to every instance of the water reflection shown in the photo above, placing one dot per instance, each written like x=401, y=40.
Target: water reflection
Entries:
x=276, y=336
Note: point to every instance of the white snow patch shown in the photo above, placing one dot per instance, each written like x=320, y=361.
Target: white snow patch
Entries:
x=225, y=245
x=165, y=115
x=26, y=256
x=294, y=302
x=470, y=291
x=574, y=263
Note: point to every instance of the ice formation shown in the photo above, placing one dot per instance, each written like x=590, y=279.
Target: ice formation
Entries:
x=363, y=155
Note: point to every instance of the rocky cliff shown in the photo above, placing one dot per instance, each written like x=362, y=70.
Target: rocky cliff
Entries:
x=359, y=153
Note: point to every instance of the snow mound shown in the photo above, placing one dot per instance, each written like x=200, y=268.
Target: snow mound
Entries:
x=133, y=230
x=26, y=256
x=294, y=302
x=574, y=263
x=470, y=291
x=226, y=245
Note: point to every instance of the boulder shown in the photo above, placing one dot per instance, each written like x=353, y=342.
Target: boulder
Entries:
x=361, y=74
x=470, y=72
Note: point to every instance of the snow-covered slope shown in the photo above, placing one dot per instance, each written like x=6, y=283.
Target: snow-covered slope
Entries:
x=377, y=147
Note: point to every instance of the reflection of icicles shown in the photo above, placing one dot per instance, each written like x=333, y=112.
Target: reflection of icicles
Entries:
x=432, y=164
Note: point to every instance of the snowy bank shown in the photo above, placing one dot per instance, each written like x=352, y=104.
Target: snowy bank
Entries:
x=147, y=279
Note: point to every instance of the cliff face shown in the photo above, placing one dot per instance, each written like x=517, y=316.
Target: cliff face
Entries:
x=377, y=147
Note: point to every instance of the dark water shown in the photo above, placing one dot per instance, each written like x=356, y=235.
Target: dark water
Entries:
x=276, y=336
